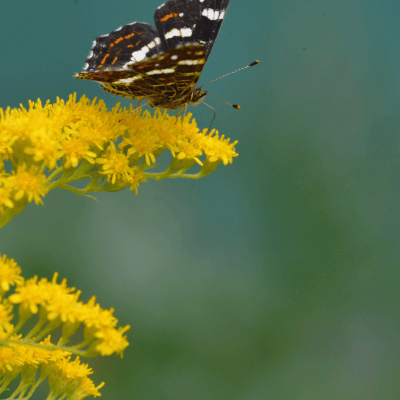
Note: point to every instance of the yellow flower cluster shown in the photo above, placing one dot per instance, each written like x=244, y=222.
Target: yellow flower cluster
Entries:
x=55, y=306
x=53, y=145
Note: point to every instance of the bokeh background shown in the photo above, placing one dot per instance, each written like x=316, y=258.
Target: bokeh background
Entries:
x=276, y=277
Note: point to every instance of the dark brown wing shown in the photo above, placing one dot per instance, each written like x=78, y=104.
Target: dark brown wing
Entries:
x=180, y=21
x=166, y=80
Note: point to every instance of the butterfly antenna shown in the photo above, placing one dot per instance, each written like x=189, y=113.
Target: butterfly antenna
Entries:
x=229, y=104
x=215, y=113
x=233, y=72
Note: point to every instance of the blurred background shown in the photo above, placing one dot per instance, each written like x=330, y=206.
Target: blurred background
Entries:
x=277, y=277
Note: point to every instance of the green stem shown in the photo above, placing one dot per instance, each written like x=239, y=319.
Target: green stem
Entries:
x=54, y=174
x=77, y=191
x=163, y=175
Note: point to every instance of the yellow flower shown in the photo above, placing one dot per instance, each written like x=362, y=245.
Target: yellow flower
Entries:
x=218, y=148
x=54, y=145
x=53, y=305
x=70, y=378
x=115, y=165
x=30, y=295
x=97, y=318
x=76, y=149
x=5, y=196
x=29, y=183
x=10, y=358
x=112, y=341
x=5, y=313
x=10, y=273
x=135, y=179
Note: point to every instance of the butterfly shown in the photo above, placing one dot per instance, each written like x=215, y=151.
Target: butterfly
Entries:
x=159, y=65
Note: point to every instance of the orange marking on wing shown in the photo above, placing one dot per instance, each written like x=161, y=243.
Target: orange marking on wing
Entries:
x=103, y=60
x=168, y=16
x=120, y=39
x=116, y=57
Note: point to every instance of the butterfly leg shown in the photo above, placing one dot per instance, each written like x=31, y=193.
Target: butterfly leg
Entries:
x=177, y=115
x=215, y=113
x=137, y=107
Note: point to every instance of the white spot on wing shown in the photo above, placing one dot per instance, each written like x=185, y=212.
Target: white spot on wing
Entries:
x=138, y=55
x=190, y=62
x=174, y=57
x=186, y=32
x=172, y=33
x=212, y=14
x=161, y=71
x=145, y=49
x=128, y=80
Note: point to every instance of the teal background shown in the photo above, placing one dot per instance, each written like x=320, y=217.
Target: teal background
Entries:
x=276, y=277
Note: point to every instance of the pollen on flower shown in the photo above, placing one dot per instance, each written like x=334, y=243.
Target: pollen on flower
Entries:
x=87, y=388
x=30, y=295
x=112, y=341
x=45, y=145
x=75, y=150
x=10, y=359
x=115, y=165
x=10, y=273
x=135, y=179
x=143, y=145
x=190, y=151
x=219, y=148
x=29, y=183
x=96, y=318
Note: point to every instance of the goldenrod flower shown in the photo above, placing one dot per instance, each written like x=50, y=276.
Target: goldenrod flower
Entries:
x=54, y=306
x=53, y=145
x=29, y=184
x=70, y=378
x=10, y=274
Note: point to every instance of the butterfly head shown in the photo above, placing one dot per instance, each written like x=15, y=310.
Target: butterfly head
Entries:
x=198, y=96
